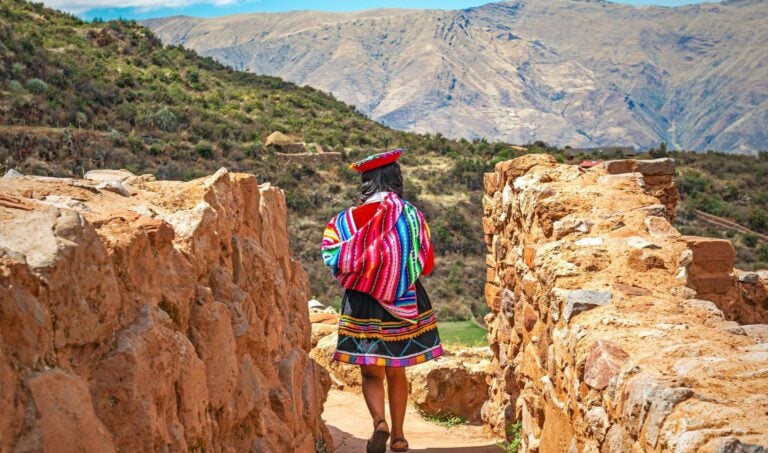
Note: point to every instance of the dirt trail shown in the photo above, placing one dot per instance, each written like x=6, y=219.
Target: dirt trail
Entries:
x=348, y=419
x=728, y=224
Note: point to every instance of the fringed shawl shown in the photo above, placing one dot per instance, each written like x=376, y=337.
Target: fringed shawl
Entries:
x=383, y=257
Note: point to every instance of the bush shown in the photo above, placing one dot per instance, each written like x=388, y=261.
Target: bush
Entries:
x=762, y=252
x=36, y=86
x=758, y=219
x=252, y=150
x=166, y=120
x=469, y=173
x=204, y=150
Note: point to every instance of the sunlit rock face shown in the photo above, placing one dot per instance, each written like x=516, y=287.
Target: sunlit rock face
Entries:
x=140, y=315
x=610, y=331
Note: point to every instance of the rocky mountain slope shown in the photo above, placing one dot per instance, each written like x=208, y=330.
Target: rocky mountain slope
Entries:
x=569, y=72
x=167, y=317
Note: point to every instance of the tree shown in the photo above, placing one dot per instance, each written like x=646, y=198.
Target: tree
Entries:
x=661, y=151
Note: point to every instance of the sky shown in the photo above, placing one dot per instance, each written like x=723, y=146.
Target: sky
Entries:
x=144, y=9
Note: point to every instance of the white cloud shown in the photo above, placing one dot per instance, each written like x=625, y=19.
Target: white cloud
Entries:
x=81, y=6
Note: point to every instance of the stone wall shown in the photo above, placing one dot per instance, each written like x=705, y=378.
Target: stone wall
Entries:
x=600, y=339
x=708, y=269
x=169, y=318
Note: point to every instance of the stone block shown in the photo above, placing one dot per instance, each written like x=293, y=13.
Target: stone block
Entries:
x=734, y=445
x=491, y=183
x=449, y=386
x=703, y=305
x=617, y=167
x=12, y=174
x=489, y=227
x=511, y=169
x=584, y=299
x=529, y=254
x=113, y=186
x=604, y=361
x=749, y=277
x=65, y=419
x=662, y=402
x=710, y=256
x=529, y=318
x=597, y=422
x=656, y=167
x=635, y=179
x=108, y=175
x=652, y=167
x=617, y=440
x=757, y=331
x=659, y=227
x=492, y=296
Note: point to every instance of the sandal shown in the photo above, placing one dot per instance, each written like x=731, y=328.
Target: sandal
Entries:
x=378, y=441
x=401, y=440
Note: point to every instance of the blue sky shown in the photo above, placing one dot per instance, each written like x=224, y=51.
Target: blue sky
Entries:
x=143, y=9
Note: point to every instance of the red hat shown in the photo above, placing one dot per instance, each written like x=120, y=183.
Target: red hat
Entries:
x=377, y=160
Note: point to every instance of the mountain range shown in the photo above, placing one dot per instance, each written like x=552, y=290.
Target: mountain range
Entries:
x=568, y=72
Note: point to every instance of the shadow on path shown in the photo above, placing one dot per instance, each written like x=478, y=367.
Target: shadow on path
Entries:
x=348, y=420
x=348, y=443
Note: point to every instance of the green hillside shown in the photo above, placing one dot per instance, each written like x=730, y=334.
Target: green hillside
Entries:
x=76, y=96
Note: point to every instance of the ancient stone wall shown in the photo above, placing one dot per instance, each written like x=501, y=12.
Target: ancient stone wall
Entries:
x=602, y=338
x=170, y=319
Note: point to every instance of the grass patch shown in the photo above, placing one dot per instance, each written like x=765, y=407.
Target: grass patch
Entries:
x=462, y=333
x=444, y=420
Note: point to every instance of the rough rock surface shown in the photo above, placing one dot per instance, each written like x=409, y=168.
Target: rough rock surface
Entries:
x=450, y=385
x=171, y=319
x=708, y=269
x=604, y=338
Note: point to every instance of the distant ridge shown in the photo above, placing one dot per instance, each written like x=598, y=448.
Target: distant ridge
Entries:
x=568, y=72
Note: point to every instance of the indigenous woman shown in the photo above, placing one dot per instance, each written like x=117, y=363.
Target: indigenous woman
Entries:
x=378, y=250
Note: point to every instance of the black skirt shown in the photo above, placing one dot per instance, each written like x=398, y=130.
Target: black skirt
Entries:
x=370, y=335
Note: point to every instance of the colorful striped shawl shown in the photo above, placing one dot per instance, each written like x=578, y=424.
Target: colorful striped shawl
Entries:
x=382, y=258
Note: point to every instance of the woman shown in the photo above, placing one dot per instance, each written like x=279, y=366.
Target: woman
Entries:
x=377, y=251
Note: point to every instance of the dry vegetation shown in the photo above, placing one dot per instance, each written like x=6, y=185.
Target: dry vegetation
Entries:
x=76, y=96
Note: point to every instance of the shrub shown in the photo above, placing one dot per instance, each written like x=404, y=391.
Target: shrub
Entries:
x=758, y=219
x=762, y=252
x=252, y=150
x=166, y=120
x=204, y=150
x=81, y=118
x=125, y=80
x=36, y=86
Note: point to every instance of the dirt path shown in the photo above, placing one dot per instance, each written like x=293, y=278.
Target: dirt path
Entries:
x=728, y=224
x=348, y=419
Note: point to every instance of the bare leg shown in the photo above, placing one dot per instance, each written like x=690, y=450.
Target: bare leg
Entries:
x=373, y=392
x=397, y=384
